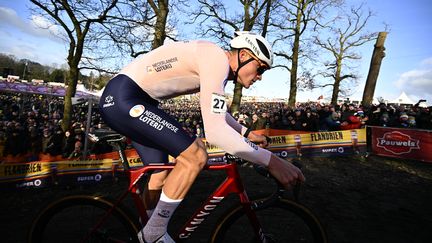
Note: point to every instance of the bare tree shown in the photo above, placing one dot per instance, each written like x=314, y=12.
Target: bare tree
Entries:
x=343, y=39
x=377, y=56
x=291, y=22
x=135, y=28
x=75, y=18
x=220, y=23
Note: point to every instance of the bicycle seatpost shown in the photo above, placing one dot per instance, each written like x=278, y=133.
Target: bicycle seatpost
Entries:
x=118, y=144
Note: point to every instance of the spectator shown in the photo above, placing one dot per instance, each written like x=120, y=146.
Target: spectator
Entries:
x=402, y=122
x=47, y=141
x=384, y=120
x=312, y=120
x=275, y=122
x=68, y=143
x=77, y=152
x=257, y=123
x=298, y=122
x=347, y=113
x=332, y=122
x=13, y=144
x=323, y=113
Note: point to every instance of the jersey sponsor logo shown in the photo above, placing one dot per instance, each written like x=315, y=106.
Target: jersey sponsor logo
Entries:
x=155, y=121
x=164, y=65
x=218, y=104
x=254, y=146
x=136, y=111
x=109, y=101
x=150, y=69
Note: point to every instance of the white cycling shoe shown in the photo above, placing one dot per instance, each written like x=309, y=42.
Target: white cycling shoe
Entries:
x=165, y=238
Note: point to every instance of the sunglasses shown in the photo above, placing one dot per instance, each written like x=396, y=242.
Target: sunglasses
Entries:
x=263, y=67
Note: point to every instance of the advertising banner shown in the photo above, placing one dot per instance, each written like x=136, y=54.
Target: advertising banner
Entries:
x=43, y=89
x=25, y=175
x=402, y=143
x=104, y=167
x=326, y=144
x=83, y=172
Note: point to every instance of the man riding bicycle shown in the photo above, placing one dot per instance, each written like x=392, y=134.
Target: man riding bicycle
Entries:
x=129, y=105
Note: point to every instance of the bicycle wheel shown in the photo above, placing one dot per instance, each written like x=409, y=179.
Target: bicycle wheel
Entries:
x=283, y=221
x=72, y=219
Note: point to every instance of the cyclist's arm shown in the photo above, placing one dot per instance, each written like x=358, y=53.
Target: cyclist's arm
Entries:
x=235, y=125
x=213, y=70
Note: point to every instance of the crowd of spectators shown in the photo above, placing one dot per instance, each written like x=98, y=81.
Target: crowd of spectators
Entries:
x=320, y=117
x=31, y=124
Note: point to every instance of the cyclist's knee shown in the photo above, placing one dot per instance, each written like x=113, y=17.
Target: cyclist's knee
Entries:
x=194, y=157
x=157, y=180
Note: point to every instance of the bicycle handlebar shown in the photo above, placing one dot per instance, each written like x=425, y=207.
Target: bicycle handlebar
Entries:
x=266, y=173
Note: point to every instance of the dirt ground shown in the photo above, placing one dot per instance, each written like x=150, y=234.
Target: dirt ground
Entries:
x=357, y=199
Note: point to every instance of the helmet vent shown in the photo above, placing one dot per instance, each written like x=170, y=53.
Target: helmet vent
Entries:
x=263, y=48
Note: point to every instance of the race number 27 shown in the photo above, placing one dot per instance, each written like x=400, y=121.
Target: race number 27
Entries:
x=218, y=104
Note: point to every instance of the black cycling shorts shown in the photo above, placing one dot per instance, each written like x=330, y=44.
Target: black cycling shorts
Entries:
x=130, y=111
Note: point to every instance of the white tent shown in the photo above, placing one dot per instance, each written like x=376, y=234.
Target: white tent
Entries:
x=403, y=99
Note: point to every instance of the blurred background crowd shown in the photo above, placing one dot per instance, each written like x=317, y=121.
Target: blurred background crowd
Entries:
x=30, y=125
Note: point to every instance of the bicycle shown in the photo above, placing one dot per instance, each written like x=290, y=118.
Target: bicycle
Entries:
x=88, y=218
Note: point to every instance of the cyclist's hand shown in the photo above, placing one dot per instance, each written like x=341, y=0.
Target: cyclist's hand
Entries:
x=285, y=172
x=261, y=140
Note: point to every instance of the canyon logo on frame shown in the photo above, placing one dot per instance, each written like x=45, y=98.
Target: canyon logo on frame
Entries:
x=397, y=142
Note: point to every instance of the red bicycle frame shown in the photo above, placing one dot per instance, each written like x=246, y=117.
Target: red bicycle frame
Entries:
x=232, y=184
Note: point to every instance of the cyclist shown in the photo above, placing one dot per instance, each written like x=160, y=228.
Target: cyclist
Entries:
x=129, y=105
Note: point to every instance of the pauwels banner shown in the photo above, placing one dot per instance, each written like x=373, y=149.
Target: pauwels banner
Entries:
x=402, y=143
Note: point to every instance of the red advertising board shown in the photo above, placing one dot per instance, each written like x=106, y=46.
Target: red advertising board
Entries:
x=402, y=143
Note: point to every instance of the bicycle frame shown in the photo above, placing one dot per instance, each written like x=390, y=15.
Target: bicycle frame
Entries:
x=232, y=184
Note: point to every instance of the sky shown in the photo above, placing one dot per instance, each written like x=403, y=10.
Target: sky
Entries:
x=407, y=66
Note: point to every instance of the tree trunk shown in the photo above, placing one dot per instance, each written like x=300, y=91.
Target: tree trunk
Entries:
x=70, y=92
x=161, y=19
x=301, y=7
x=293, y=73
x=238, y=93
x=337, y=81
x=377, y=56
x=248, y=24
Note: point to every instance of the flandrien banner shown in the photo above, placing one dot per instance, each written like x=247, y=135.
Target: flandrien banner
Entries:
x=402, y=143
x=290, y=144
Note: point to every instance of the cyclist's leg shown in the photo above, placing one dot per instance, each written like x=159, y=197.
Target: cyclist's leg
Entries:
x=132, y=112
x=189, y=163
x=153, y=187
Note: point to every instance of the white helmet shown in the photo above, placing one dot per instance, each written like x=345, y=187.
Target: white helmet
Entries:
x=257, y=44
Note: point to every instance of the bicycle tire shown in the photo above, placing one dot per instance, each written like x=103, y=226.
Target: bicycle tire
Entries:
x=71, y=218
x=283, y=221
